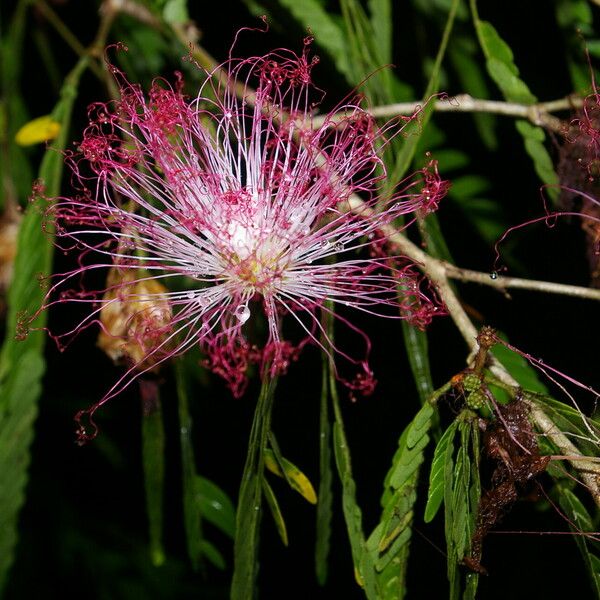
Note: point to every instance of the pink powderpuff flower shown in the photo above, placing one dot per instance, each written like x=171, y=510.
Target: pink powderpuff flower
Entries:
x=237, y=206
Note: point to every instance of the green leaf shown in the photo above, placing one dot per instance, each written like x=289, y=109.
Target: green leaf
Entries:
x=461, y=500
x=582, y=522
x=369, y=50
x=275, y=511
x=153, y=457
x=352, y=514
x=406, y=154
x=419, y=426
x=175, y=12
x=212, y=554
x=519, y=368
x=382, y=26
x=292, y=474
x=450, y=159
x=434, y=239
x=504, y=72
x=21, y=362
x=202, y=498
x=472, y=80
x=325, y=496
x=443, y=453
x=16, y=173
x=534, y=144
x=585, y=431
x=245, y=549
x=574, y=13
x=415, y=341
x=388, y=543
x=513, y=88
x=215, y=505
x=192, y=515
x=495, y=47
x=469, y=186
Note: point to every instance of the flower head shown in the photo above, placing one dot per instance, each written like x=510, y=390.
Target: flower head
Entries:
x=237, y=206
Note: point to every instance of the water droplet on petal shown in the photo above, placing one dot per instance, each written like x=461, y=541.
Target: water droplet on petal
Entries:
x=242, y=312
x=494, y=275
x=338, y=247
x=189, y=295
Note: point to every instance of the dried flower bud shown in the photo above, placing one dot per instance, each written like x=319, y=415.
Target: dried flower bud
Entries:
x=135, y=319
x=9, y=229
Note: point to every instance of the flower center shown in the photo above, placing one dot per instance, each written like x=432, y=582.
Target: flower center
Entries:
x=261, y=273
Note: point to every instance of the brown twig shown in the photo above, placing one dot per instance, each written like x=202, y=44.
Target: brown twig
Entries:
x=538, y=114
x=502, y=283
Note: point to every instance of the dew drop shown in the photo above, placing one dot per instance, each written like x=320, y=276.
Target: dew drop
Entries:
x=494, y=275
x=338, y=247
x=189, y=295
x=242, y=312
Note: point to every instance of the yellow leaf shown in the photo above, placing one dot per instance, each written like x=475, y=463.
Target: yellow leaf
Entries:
x=358, y=577
x=37, y=131
x=297, y=479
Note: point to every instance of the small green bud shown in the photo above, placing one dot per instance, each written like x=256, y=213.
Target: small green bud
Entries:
x=471, y=382
x=475, y=400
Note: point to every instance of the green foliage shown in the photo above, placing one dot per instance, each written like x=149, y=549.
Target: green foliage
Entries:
x=249, y=508
x=405, y=156
x=153, y=454
x=388, y=543
x=441, y=457
x=416, y=344
x=21, y=361
x=581, y=523
x=275, y=511
x=471, y=76
x=16, y=173
x=325, y=495
x=202, y=499
x=504, y=72
x=311, y=14
x=461, y=501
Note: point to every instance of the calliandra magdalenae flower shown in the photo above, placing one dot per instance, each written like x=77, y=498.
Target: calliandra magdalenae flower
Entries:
x=237, y=206
x=9, y=229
